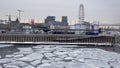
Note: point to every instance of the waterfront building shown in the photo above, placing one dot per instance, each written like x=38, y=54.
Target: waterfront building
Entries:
x=82, y=28
x=94, y=27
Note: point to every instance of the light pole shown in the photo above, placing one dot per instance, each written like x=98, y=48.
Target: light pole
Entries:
x=20, y=14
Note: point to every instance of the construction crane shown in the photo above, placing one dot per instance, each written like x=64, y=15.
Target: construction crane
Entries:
x=20, y=14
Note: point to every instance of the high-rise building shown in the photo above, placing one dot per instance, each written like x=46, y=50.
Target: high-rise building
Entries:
x=64, y=21
x=50, y=19
x=81, y=14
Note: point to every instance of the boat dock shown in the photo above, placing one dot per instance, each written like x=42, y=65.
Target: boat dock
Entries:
x=58, y=39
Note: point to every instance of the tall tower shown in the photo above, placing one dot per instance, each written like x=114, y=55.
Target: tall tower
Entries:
x=81, y=14
x=9, y=20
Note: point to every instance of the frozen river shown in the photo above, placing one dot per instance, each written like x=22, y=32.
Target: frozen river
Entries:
x=56, y=56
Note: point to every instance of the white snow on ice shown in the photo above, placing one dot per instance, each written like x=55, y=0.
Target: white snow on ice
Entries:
x=48, y=56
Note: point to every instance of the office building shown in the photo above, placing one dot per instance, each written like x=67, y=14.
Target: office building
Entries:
x=64, y=21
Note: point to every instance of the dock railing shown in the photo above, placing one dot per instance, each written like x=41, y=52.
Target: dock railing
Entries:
x=117, y=40
x=71, y=38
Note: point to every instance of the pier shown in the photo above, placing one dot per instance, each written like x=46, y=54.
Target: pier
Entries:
x=56, y=39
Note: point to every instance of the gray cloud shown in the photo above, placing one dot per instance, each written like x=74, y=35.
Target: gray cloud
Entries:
x=94, y=9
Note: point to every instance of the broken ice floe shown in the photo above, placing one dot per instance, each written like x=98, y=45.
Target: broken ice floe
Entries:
x=59, y=57
x=31, y=57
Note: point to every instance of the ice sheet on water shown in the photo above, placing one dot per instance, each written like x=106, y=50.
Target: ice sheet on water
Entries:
x=9, y=56
x=79, y=65
x=115, y=63
x=47, y=61
x=51, y=65
x=5, y=60
x=81, y=60
x=38, y=47
x=0, y=66
x=29, y=66
x=25, y=50
x=100, y=58
x=19, y=55
x=48, y=49
x=32, y=57
x=43, y=65
x=73, y=54
x=36, y=62
x=58, y=57
x=11, y=66
x=5, y=45
x=62, y=56
x=48, y=55
x=61, y=64
x=68, y=59
x=53, y=59
x=97, y=63
x=60, y=52
x=17, y=63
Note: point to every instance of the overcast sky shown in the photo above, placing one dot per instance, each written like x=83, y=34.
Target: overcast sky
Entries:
x=104, y=11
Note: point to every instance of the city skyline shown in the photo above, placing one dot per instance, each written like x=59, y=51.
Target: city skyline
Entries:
x=102, y=11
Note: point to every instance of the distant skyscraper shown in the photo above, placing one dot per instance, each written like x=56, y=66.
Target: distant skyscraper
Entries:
x=64, y=20
x=81, y=14
x=50, y=19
